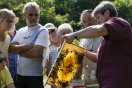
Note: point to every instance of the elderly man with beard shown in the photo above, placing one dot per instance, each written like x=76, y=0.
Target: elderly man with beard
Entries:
x=91, y=44
x=29, y=43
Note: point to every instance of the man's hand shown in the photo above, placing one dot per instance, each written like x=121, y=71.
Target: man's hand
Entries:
x=68, y=37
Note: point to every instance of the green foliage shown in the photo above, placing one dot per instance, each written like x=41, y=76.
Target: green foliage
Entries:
x=76, y=41
x=74, y=8
x=62, y=6
x=18, y=11
x=64, y=11
x=47, y=10
x=61, y=19
x=44, y=73
x=124, y=9
x=48, y=14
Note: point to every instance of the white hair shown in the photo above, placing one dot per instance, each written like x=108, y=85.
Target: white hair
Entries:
x=64, y=26
x=34, y=4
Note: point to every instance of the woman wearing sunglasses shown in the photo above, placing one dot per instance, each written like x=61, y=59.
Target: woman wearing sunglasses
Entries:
x=5, y=77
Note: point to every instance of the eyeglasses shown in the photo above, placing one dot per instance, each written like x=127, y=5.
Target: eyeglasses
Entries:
x=2, y=59
x=33, y=14
x=51, y=31
x=99, y=17
x=9, y=21
x=97, y=20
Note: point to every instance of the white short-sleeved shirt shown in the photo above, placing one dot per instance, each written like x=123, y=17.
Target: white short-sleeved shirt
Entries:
x=31, y=66
x=91, y=44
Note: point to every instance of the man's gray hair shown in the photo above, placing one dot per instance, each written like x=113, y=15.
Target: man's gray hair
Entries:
x=84, y=12
x=64, y=26
x=5, y=13
x=103, y=6
x=34, y=4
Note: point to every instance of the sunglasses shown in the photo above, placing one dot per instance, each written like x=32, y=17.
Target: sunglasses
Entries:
x=51, y=32
x=33, y=14
x=2, y=59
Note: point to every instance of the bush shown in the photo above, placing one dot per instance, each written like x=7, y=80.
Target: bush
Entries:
x=124, y=9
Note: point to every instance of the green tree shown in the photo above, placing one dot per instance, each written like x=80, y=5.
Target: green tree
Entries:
x=124, y=9
x=47, y=9
x=77, y=7
x=64, y=11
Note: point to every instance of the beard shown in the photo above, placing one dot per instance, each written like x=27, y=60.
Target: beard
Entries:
x=32, y=22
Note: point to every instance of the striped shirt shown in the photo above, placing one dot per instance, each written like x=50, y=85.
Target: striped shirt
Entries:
x=13, y=62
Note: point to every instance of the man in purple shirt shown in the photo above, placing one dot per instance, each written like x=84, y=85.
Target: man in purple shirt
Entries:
x=114, y=58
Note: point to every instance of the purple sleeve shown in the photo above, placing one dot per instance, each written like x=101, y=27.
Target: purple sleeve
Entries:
x=118, y=29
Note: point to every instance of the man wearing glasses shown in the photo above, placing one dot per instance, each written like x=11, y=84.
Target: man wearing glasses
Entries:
x=29, y=43
x=5, y=77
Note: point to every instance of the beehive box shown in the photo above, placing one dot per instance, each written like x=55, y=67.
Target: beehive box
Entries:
x=66, y=65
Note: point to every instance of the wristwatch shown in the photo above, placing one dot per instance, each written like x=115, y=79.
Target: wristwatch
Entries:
x=75, y=35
